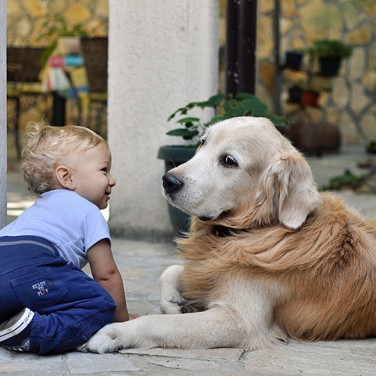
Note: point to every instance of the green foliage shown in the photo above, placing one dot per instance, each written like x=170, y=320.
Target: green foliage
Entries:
x=244, y=104
x=327, y=47
x=347, y=180
x=53, y=28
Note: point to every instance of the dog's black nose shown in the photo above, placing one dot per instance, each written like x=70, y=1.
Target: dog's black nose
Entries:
x=171, y=183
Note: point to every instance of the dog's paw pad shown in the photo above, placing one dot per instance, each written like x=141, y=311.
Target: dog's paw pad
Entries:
x=172, y=304
x=82, y=348
x=105, y=340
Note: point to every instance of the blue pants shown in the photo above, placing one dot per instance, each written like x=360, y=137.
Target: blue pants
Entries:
x=69, y=306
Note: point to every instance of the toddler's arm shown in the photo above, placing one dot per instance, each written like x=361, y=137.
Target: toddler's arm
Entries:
x=106, y=273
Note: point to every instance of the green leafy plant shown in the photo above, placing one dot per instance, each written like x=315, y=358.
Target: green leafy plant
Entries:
x=327, y=47
x=347, y=180
x=243, y=104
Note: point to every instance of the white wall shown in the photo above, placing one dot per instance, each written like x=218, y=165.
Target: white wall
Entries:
x=162, y=55
x=3, y=117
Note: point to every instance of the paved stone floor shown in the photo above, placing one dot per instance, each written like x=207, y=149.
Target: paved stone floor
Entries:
x=141, y=264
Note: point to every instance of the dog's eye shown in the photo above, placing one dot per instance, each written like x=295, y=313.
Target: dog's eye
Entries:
x=229, y=161
x=203, y=140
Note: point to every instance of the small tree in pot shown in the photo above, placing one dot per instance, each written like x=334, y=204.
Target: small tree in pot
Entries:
x=330, y=54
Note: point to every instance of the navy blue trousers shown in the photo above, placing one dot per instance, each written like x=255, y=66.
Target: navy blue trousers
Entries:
x=69, y=306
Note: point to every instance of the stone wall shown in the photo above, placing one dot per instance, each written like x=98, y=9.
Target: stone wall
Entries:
x=26, y=18
x=351, y=102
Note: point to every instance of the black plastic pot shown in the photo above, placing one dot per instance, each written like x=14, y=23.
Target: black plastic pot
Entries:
x=329, y=65
x=293, y=60
x=295, y=94
x=173, y=157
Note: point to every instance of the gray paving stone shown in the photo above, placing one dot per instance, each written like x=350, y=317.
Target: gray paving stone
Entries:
x=90, y=364
x=339, y=358
x=13, y=363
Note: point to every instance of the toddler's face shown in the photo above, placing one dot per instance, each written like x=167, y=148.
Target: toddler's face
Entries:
x=91, y=174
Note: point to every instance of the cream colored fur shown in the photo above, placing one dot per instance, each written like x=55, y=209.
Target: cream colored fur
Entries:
x=291, y=262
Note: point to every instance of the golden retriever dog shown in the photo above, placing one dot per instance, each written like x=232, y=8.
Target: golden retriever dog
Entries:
x=267, y=258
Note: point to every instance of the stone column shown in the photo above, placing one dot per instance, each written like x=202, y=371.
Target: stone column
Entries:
x=3, y=115
x=162, y=55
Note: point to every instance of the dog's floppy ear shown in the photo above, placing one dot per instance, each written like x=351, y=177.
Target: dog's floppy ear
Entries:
x=295, y=192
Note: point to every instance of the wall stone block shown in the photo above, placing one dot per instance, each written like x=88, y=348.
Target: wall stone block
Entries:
x=308, y=23
x=265, y=6
x=359, y=100
x=369, y=81
x=77, y=14
x=332, y=115
x=347, y=128
x=289, y=8
x=340, y=93
x=13, y=7
x=267, y=75
x=264, y=40
x=368, y=124
x=360, y=36
x=34, y=8
x=356, y=64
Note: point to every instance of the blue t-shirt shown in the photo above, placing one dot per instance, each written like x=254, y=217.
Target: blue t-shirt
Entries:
x=69, y=221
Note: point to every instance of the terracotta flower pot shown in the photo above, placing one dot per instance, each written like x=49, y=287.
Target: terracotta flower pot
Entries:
x=310, y=98
x=314, y=139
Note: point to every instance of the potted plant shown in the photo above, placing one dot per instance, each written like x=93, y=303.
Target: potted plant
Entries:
x=295, y=94
x=330, y=54
x=293, y=60
x=192, y=128
x=307, y=94
x=310, y=97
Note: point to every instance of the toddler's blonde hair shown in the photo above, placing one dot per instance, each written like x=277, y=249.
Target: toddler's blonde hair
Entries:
x=48, y=147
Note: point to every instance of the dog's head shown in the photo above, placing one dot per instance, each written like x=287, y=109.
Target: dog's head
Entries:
x=245, y=174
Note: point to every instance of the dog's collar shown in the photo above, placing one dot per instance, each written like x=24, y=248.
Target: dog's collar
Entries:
x=223, y=231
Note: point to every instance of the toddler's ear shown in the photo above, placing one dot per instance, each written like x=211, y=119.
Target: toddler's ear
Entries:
x=64, y=177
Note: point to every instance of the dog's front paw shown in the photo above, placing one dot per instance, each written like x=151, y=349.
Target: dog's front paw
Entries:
x=172, y=304
x=107, y=339
x=171, y=300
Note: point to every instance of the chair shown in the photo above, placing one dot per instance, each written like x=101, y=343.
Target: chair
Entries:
x=95, y=53
x=23, y=68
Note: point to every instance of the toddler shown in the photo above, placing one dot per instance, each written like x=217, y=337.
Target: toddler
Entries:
x=47, y=303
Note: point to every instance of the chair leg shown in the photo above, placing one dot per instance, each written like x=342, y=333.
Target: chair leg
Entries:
x=79, y=112
x=100, y=114
x=17, y=127
x=88, y=116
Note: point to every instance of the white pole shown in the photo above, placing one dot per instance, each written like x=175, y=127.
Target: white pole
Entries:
x=3, y=115
x=162, y=55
